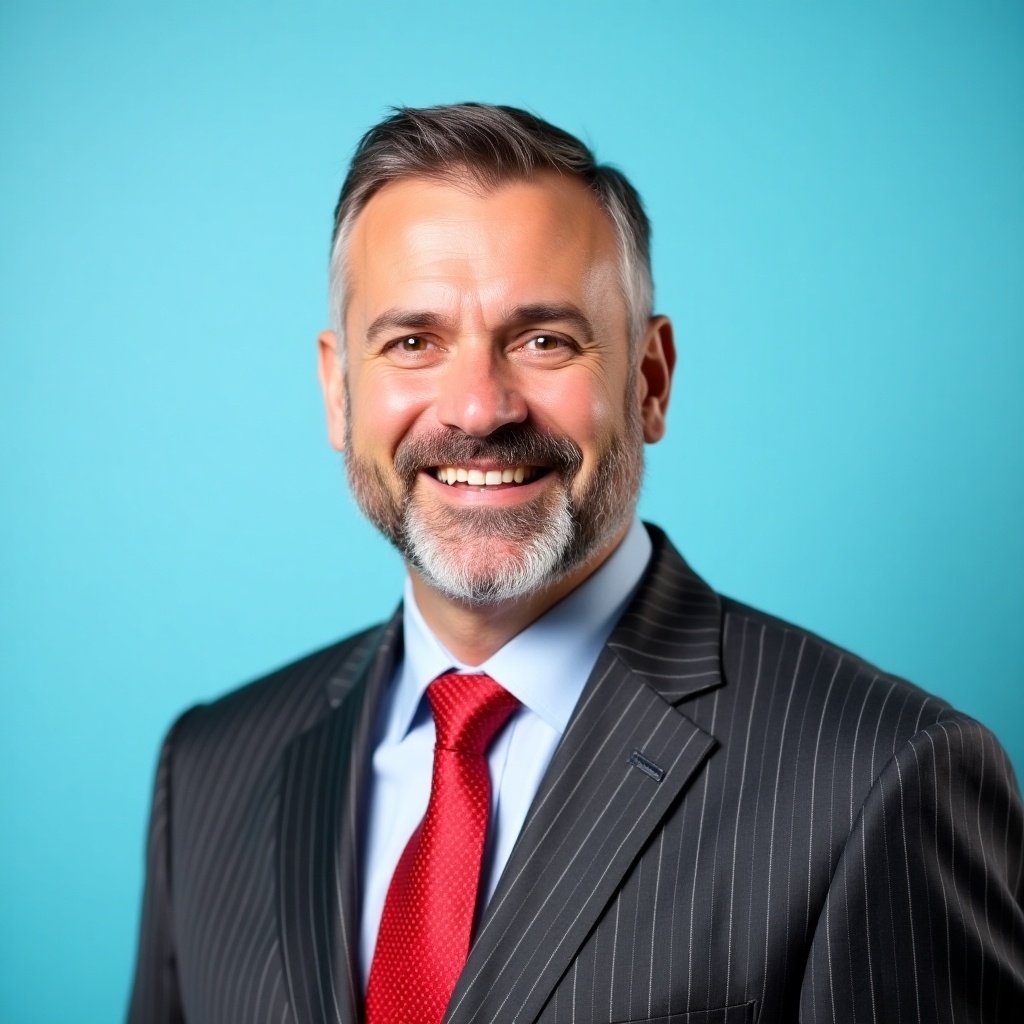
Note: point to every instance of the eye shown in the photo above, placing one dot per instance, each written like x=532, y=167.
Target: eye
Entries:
x=411, y=348
x=544, y=349
x=412, y=343
x=547, y=343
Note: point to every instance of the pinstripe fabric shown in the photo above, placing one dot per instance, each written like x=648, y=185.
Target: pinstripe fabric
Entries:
x=251, y=873
x=825, y=843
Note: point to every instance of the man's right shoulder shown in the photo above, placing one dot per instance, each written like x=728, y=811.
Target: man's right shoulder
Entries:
x=268, y=712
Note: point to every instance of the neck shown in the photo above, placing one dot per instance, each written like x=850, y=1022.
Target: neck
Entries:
x=474, y=632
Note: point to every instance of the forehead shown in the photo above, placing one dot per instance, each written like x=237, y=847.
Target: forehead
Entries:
x=428, y=243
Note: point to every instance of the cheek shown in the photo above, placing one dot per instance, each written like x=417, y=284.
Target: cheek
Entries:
x=579, y=406
x=384, y=408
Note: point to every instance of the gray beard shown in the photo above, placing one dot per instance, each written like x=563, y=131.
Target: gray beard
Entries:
x=444, y=549
x=455, y=550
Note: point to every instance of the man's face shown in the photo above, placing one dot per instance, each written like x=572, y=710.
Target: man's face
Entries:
x=491, y=417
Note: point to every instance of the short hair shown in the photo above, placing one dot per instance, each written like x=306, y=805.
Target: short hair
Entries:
x=493, y=145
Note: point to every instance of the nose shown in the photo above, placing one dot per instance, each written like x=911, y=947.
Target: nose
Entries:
x=479, y=392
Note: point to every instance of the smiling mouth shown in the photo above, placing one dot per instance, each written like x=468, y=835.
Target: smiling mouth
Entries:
x=472, y=477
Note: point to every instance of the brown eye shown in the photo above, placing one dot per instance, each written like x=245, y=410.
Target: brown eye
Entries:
x=414, y=343
x=546, y=343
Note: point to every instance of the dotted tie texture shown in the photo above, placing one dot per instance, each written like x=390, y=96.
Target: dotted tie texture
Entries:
x=427, y=923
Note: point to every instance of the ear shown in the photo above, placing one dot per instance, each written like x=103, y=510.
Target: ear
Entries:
x=657, y=356
x=332, y=383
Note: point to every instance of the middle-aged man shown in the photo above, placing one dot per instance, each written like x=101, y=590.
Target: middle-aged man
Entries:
x=644, y=802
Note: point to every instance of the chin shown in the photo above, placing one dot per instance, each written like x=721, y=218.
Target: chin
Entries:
x=488, y=568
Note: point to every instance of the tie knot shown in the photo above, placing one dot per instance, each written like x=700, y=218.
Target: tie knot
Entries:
x=468, y=711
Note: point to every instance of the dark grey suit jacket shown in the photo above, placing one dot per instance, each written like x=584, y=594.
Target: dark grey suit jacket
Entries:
x=742, y=823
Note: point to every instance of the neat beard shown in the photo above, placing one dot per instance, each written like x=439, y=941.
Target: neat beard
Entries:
x=486, y=556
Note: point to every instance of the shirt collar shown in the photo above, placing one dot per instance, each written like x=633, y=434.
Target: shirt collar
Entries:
x=545, y=666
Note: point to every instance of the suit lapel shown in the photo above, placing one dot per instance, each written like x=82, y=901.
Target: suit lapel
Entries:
x=324, y=777
x=626, y=757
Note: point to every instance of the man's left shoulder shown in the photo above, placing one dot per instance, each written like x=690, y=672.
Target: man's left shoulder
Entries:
x=835, y=698
x=834, y=733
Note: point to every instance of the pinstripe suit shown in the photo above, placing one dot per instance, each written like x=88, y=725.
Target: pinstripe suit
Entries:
x=802, y=837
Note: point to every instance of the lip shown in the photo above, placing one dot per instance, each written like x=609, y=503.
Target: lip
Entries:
x=485, y=464
x=482, y=496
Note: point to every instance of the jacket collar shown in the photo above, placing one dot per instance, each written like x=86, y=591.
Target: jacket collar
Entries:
x=671, y=632
x=324, y=778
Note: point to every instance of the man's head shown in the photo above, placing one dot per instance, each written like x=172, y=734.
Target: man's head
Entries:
x=500, y=369
x=488, y=146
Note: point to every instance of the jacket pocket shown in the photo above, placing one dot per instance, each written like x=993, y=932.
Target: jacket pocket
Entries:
x=738, y=1013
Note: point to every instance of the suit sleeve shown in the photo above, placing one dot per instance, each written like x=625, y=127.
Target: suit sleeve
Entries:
x=155, y=997
x=923, y=921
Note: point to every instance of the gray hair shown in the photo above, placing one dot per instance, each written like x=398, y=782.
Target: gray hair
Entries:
x=493, y=145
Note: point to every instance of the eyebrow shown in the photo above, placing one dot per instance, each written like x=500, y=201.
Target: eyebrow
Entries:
x=544, y=312
x=398, y=319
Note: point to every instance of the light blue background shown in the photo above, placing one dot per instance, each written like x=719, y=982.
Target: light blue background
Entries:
x=838, y=200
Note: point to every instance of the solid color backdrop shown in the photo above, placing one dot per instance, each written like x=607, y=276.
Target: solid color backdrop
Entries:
x=837, y=194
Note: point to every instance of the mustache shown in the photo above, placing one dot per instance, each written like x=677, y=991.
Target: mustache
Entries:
x=514, y=444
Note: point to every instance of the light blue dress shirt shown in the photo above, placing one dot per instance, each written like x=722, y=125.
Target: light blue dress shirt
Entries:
x=545, y=667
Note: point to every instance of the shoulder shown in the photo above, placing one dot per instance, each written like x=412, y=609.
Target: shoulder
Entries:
x=255, y=720
x=836, y=734
x=839, y=705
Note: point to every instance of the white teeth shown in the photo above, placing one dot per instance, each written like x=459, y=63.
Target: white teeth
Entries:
x=484, y=478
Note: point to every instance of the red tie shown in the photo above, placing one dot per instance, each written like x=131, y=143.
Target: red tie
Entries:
x=427, y=921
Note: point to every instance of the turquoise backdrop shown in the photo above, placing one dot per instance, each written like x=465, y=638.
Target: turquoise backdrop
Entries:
x=837, y=192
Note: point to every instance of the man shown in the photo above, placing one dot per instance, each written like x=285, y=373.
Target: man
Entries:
x=567, y=781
